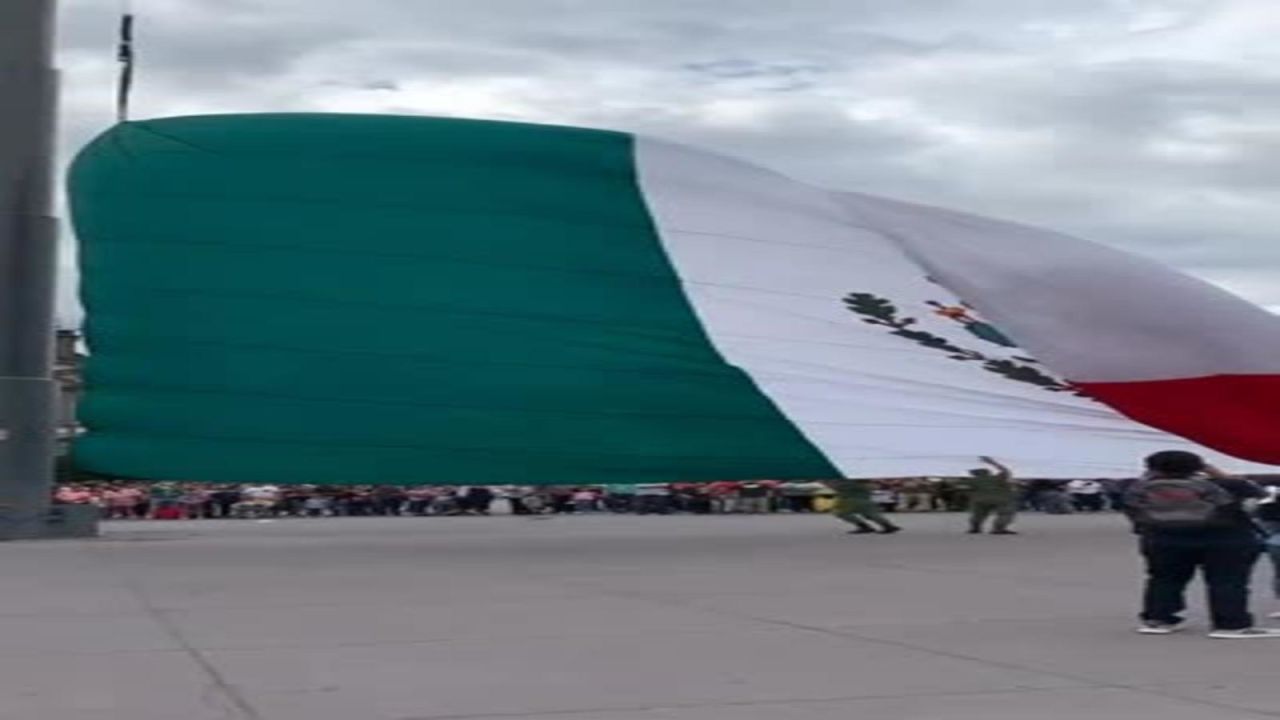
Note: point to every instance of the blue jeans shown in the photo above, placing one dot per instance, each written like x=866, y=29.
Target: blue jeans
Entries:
x=1273, y=551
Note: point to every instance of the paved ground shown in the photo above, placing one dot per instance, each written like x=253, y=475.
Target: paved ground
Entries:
x=601, y=618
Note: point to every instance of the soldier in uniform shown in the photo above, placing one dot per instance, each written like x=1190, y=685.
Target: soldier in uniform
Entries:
x=991, y=493
x=854, y=505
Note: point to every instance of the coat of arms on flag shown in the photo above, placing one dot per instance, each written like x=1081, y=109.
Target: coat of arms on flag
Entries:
x=877, y=310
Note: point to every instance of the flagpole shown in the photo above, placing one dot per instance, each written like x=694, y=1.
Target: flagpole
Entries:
x=28, y=261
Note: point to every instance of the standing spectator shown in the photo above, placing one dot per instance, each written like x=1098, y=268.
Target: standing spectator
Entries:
x=258, y=501
x=1056, y=500
x=800, y=496
x=653, y=498
x=479, y=499
x=917, y=495
x=536, y=502
x=1190, y=516
x=121, y=500
x=315, y=506
x=224, y=500
x=681, y=495
x=1027, y=497
x=107, y=500
x=619, y=497
x=388, y=501
x=698, y=500
x=142, y=510
x=1115, y=493
x=74, y=495
x=447, y=502
x=361, y=502
x=1086, y=495
x=773, y=491
x=938, y=488
x=265, y=494
x=193, y=499
x=340, y=502
x=885, y=496
x=294, y=499
x=724, y=496
x=992, y=494
x=952, y=496
x=561, y=500
x=419, y=500
x=166, y=501
x=1050, y=496
x=585, y=500
x=516, y=497
x=753, y=498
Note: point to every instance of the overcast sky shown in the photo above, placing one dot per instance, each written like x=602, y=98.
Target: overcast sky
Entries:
x=1153, y=125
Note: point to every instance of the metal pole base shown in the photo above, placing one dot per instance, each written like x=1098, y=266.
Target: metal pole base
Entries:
x=27, y=446
x=62, y=522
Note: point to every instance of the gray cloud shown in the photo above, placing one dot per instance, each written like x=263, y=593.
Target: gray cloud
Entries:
x=1150, y=124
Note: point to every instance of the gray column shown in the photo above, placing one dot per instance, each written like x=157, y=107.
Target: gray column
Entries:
x=28, y=266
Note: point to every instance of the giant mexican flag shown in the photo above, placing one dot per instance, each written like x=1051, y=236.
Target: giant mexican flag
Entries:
x=377, y=299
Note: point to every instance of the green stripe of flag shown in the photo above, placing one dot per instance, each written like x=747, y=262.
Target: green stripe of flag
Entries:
x=372, y=299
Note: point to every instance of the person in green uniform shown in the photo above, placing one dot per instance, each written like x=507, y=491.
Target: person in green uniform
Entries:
x=854, y=506
x=992, y=492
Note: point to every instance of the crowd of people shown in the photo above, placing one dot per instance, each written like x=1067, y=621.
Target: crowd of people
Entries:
x=1188, y=515
x=123, y=500
x=182, y=501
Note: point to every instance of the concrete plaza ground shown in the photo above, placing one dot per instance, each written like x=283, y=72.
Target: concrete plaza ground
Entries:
x=602, y=618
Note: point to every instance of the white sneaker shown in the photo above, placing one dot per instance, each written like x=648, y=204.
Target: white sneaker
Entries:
x=1275, y=615
x=1246, y=633
x=1159, y=628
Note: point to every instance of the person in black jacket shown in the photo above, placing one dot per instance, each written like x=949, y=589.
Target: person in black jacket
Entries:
x=1191, y=517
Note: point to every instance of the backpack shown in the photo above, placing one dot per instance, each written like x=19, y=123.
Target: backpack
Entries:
x=1179, y=503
